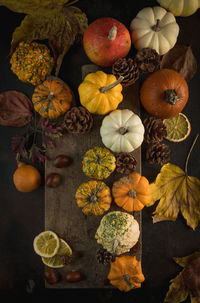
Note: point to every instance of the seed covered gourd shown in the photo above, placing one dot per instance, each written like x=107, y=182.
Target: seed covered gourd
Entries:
x=32, y=62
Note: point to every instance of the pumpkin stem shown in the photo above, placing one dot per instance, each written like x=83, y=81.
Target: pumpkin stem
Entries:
x=103, y=89
x=50, y=96
x=156, y=27
x=132, y=193
x=123, y=130
x=127, y=280
x=20, y=164
x=112, y=33
x=93, y=198
x=171, y=96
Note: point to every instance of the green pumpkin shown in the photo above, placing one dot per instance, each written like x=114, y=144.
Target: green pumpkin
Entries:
x=98, y=163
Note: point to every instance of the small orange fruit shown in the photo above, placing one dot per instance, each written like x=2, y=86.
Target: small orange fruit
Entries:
x=26, y=178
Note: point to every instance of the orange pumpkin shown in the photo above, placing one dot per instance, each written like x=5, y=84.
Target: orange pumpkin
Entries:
x=132, y=192
x=126, y=273
x=52, y=98
x=164, y=93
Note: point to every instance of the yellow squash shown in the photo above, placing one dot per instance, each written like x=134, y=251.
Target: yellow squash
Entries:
x=100, y=93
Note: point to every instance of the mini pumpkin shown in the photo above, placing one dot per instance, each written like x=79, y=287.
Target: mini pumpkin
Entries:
x=98, y=163
x=32, y=62
x=156, y=28
x=126, y=273
x=100, y=93
x=122, y=131
x=182, y=8
x=94, y=197
x=164, y=93
x=52, y=98
x=132, y=192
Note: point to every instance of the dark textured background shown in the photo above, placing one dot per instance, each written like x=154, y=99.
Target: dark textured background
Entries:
x=22, y=215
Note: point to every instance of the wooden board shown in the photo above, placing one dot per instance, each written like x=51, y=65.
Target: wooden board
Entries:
x=63, y=216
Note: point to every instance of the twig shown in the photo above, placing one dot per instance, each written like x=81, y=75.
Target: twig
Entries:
x=188, y=156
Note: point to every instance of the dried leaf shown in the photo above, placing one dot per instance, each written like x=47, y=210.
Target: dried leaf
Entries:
x=194, y=299
x=33, y=7
x=60, y=29
x=182, y=261
x=177, y=291
x=176, y=191
x=15, y=109
x=181, y=59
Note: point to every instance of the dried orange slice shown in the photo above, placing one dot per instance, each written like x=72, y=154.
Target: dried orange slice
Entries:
x=178, y=128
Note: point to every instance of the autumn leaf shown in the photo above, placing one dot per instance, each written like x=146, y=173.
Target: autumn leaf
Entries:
x=181, y=59
x=176, y=192
x=185, y=283
x=177, y=290
x=16, y=109
x=52, y=20
x=33, y=7
x=60, y=29
x=182, y=261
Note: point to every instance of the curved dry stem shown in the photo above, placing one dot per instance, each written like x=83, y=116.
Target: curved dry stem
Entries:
x=188, y=156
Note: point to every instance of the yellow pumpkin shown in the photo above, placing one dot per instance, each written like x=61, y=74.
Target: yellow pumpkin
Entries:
x=100, y=93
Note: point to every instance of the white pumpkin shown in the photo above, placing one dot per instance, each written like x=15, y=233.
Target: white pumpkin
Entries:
x=154, y=28
x=122, y=131
x=182, y=8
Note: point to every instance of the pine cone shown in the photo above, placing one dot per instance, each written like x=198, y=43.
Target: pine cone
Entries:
x=157, y=153
x=78, y=120
x=147, y=60
x=125, y=163
x=126, y=68
x=104, y=256
x=155, y=130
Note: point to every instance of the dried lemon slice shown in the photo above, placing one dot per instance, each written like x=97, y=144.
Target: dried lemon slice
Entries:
x=58, y=260
x=46, y=244
x=178, y=128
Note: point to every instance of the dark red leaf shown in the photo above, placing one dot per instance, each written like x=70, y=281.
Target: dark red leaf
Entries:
x=181, y=59
x=16, y=109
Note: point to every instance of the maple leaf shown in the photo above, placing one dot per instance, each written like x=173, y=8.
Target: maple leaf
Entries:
x=176, y=191
x=178, y=289
x=59, y=27
x=31, y=7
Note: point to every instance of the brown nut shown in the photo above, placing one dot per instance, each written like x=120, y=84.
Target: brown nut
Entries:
x=74, y=276
x=53, y=180
x=51, y=276
x=61, y=161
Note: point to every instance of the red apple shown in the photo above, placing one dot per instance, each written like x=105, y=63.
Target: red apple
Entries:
x=106, y=40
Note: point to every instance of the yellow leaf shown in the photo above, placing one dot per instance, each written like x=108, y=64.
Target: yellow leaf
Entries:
x=177, y=291
x=176, y=191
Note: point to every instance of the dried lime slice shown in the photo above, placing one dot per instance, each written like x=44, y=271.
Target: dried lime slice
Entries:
x=58, y=260
x=178, y=128
x=46, y=244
